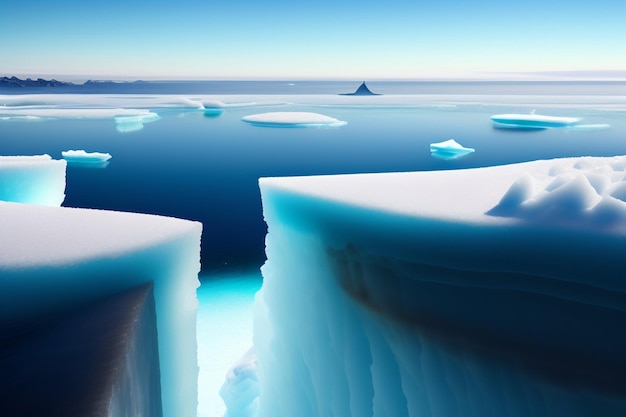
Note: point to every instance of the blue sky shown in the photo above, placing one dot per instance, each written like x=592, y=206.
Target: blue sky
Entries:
x=281, y=39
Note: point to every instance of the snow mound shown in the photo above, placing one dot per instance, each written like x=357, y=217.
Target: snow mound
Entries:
x=292, y=119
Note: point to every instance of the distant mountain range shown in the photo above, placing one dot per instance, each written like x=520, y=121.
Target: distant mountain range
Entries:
x=39, y=82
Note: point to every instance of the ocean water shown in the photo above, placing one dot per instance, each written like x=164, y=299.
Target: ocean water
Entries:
x=203, y=168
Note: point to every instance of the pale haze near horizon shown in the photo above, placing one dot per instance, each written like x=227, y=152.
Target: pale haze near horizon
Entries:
x=194, y=39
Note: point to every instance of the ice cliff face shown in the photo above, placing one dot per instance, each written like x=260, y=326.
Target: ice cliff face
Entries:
x=400, y=294
x=54, y=261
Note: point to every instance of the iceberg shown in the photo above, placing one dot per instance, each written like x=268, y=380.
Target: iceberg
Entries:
x=292, y=119
x=449, y=149
x=82, y=156
x=213, y=108
x=35, y=179
x=403, y=294
x=133, y=123
x=532, y=121
x=104, y=299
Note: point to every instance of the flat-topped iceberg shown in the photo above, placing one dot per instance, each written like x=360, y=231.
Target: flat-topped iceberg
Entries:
x=292, y=119
x=56, y=258
x=35, y=179
x=532, y=121
x=403, y=295
x=81, y=156
x=449, y=149
x=111, y=293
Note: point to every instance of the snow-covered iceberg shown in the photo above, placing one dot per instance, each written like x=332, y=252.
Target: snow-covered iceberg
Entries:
x=292, y=119
x=449, y=149
x=532, y=121
x=403, y=294
x=57, y=264
x=35, y=179
x=83, y=157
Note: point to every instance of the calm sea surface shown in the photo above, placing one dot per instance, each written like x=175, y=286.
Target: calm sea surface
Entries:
x=203, y=168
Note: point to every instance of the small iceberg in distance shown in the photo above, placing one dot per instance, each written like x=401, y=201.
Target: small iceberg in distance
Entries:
x=449, y=149
x=532, y=121
x=361, y=91
x=91, y=159
x=133, y=123
x=292, y=119
x=213, y=108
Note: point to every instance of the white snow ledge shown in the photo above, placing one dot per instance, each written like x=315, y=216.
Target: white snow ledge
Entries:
x=54, y=257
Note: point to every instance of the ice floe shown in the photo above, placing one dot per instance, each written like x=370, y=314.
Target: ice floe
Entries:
x=532, y=121
x=292, y=119
x=83, y=157
x=133, y=123
x=449, y=149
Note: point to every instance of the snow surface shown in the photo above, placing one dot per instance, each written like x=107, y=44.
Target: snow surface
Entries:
x=35, y=179
x=54, y=258
x=296, y=119
x=404, y=294
x=449, y=149
x=83, y=156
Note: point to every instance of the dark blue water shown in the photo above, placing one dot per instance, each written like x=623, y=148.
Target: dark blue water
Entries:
x=203, y=168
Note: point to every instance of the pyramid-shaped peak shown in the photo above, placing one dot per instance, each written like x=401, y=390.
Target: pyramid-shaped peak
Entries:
x=362, y=91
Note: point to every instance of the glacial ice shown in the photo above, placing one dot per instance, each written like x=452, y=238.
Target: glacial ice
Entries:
x=81, y=156
x=449, y=149
x=240, y=391
x=55, y=259
x=532, y=121
x=32, y=179
x=292, y=119
x=414, y=299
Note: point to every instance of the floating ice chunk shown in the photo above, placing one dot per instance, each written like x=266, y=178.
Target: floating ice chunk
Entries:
x=32, y=179
x=449, y=149
x=126, y=124
x=292, y=119
x=240, y=390
x=82, y=157
x=213, y=108
x=532, y=121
